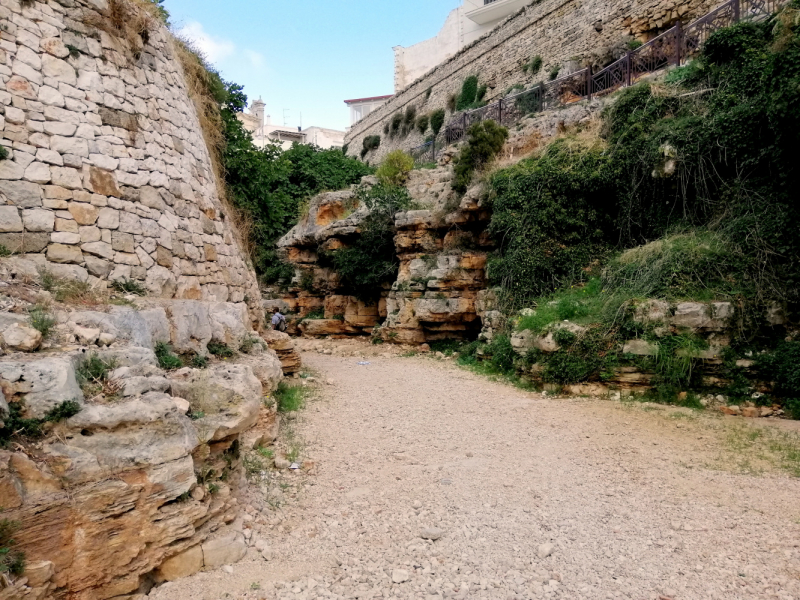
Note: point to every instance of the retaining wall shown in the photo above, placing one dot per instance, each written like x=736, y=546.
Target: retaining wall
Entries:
x=565, y=33
x=108, y=175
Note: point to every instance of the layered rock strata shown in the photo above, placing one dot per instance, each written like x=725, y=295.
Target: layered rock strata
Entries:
x=114, y=498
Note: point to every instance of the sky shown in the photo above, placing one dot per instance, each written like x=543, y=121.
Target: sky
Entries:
x=305, y=57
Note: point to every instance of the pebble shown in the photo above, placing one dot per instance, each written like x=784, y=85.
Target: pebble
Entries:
x=431, y=533
x=399, y=576
x=545, y=550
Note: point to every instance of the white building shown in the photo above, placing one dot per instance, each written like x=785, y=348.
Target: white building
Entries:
x=464, y=25
x=361, y=107
x=266, y=133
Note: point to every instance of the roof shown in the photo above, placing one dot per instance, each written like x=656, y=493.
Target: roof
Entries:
x=368, y=99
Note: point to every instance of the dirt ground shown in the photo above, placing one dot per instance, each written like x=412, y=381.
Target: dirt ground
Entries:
x=525, y=496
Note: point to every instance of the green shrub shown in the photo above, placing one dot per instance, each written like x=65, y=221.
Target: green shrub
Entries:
x=554, y=73
x=422, y=124
x=410, y=117
x=501, y=353
x=782, y=367
x=371, y=260
x=166, y=359
x=220, y=350
x=428, y=93
x=698, y=264
x=437, y=120
x=3, y=153
x=634, y=44
x=552, y=217
x=267, y=185
x=485, y=141
x=42, y=320
x=4, y=251
x=199, y=361
x=290, y=398
x=471, y=95
x=93, y=371
x=395, y=168
x=15, y=425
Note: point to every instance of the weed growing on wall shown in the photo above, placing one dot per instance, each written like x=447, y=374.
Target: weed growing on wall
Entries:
x=422, y=124
x=370, y=142
x=471, y=95
x=437, y=121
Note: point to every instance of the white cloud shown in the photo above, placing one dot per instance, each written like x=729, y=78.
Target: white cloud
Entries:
x=256, y=59
x=215, y=49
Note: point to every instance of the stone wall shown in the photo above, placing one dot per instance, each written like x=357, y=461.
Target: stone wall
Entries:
x=565, y=33
x=108, y=175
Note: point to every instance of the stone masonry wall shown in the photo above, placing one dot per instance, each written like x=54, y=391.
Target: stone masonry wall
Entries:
x=108, y=176
x=564, y=33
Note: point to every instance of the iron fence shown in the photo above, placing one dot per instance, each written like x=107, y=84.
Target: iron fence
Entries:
x=670, y=48
x=424, y=154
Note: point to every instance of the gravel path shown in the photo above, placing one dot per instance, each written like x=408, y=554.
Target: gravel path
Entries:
x=527, y=497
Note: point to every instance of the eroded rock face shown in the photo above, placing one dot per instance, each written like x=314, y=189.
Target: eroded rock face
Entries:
x=442, y=247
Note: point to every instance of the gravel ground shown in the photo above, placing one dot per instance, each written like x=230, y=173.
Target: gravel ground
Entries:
x=519, y=496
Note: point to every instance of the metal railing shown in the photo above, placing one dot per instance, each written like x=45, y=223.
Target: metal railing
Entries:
x=670, y=48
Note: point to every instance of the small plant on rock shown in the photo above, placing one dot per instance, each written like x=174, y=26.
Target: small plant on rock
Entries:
x=128, y=286
x=92, y=374
x=220, y=350
x=290, y=397
x=166, y=359
x=437, y=120
x=12, y=560
x=42, y=320
x=422, y=124
x=4, y=251
x=199, y=361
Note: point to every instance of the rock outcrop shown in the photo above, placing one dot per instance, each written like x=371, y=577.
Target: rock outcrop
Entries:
x=116, y=496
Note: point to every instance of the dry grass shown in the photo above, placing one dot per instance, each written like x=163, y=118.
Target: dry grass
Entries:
x=129, y=21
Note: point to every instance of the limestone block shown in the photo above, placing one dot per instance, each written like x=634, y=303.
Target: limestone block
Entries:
x=100, y=249
x=59, y=128
x=66, y=177
x=39, y=573
x=69, y=145
x=89, y=233
x=69, y=225
x=22, y=338
x=228, y=394
x=56, y=69
x=181, y=565
x=104, y=183
x=61, y=253
x=122, y=242
x=23, y=243
x=693, y=315
x=164, y=257
x=38, y=173
x=268, y=370
x=108, y=218
x=11, y=170
x=160, y=282
x=130, y=223
x=86, y=335
x=65, y=237
x=224, y=550
x=124, y=258
x=97, y=266
x=138, y=386
x=640, y=348
x=84, y=214
x=21, y=193
x=55, y=47
x=9, y=219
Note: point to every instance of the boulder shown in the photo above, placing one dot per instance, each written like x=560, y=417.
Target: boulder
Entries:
x=224, y=550
x=181, y=565
x=22, y=338
x=229, y=396
x=86, y=335
x=268, y=370
x=640, y=348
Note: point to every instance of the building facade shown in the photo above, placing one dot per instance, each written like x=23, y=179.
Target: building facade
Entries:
x=464, y=25
x=266, y=133
x=361, y=107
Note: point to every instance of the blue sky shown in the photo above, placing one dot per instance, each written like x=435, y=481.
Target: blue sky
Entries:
x=308, y=56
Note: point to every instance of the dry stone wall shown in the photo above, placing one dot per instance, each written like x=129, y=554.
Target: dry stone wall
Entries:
x=565, y=33
x=108, y=175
